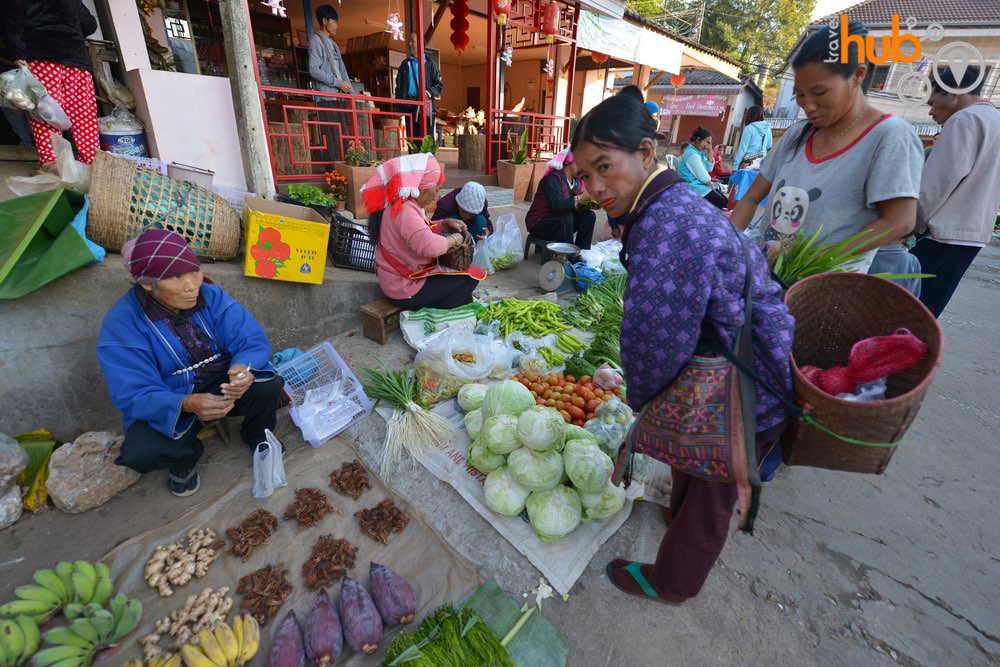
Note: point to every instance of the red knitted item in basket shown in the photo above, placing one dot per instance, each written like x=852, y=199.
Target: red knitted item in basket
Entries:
x=870, y=359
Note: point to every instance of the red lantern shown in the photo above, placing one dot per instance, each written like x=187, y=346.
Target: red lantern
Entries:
x=599, y=58
x=550, y=22
x=459, y=24
x=677, y=79
x=501, y=8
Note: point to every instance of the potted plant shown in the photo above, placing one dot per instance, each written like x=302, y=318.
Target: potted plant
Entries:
x=515, y=173
x=311, y=196
x=428, y=145
x=539, y=165
x=357, y=170
x=338, y=188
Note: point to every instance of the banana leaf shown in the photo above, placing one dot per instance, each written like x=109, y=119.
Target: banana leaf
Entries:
x=39, y=445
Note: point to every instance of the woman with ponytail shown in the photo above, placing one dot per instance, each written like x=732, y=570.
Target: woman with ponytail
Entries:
x=687, y=272
x=847, y=168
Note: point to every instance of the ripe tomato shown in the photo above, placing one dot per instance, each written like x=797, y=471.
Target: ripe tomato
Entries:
x=570, y=387
x=537, y=388
x=560, y=406
x=547, y=394
x=569, y=378
x=576, y=413
x=550, y=403
x=593, y=404
x=578, y=401
x=540, y=401
x=598, y=392
x=589, y=395
x=565, y=416
x=534, y=394
x=585, y=379
x=589, y=416
x=577, y=422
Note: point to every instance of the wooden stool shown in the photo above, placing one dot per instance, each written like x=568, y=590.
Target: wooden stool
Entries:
x=378, y=318
x=538, y=244
x=219, y=427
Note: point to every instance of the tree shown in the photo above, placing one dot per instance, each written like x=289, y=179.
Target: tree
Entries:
x=756, y=32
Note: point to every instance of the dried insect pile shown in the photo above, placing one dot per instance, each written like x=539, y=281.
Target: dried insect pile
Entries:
x=253, y=532
x=330, y=559
x=264, y=591
x=377, y=522
x=176, y=563
x=309, y=508
x=351, y=479
x=182, y=626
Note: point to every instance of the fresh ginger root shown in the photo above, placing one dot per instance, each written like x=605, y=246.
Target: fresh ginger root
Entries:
x=175, y=564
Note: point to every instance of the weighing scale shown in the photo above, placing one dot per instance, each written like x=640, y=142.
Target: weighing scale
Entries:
x=557, y=270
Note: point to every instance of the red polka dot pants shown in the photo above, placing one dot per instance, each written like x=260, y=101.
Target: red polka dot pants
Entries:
x=73, y=89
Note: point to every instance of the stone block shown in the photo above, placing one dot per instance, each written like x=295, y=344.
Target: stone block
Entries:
x=13, y=459
x=83, y=474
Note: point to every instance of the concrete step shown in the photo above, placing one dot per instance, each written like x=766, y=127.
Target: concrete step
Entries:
x=456, y=178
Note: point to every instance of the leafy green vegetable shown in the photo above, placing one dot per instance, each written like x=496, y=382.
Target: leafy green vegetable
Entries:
x=604, y=503
x=587, y=466
x=535, y=471
x=540, y=429
x=578, y=366
x=499, y=434
x=484, y=460
x=470, y=396
x=310, y=194
x=473, y=422
x=804, y=256
x=554, y=513
x=507, y=398
x=503, y=494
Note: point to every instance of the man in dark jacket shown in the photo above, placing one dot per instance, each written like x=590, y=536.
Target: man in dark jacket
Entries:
x=408, y=88
x=48, y=37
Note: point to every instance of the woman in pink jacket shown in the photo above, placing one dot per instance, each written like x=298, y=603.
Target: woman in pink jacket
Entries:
x=407, y=246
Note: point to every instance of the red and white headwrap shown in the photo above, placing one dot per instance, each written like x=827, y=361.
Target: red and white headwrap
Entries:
x=157, y=254
x=399, y=179
x=558, y=161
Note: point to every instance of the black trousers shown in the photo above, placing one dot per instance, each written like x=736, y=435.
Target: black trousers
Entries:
x=145, y=449
x=716, y=199
x=576, y=228
x=441, y=291
x=948, y=263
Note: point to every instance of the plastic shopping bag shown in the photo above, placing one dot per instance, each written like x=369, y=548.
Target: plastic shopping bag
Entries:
x=268, y=467
x=22, y=92
x=72, y=175
x=419, y=325
x=451, y=359
x=505, y=245
x=481, y=257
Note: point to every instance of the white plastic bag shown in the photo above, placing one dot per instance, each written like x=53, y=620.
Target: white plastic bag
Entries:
x=419, y=325
x=268, y=467
x=504, y=246
x=481, y=257
x=453, y=358
x=72, y=175
x=22, y=92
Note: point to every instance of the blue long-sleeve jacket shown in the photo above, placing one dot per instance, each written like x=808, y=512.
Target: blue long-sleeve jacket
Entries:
x=139, y=357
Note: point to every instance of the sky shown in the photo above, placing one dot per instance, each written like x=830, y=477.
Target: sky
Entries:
x=824, y=7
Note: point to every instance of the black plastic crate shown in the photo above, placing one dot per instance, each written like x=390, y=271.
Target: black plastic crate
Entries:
x=352, y=246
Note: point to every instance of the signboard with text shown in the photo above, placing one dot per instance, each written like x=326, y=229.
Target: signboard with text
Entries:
x=693, y=105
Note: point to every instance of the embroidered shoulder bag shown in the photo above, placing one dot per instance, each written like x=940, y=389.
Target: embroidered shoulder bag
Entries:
x=704, y=423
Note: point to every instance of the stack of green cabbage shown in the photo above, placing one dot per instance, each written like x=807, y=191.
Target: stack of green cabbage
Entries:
x=535, y=460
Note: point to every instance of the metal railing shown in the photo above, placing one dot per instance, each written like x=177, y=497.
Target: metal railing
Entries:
x=307, y=131
x=547, y=134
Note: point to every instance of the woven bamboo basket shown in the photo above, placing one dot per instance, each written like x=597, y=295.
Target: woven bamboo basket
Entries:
x=459, y=258
x=833, y=311
x=126, y=199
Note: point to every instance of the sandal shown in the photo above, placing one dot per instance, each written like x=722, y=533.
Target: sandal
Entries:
x=634, y=570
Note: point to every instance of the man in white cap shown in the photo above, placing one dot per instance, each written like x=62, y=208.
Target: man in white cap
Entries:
x=468, y=205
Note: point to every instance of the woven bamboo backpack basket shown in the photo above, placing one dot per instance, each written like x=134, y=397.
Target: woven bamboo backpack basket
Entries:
x=125, y=200
x=833, y=311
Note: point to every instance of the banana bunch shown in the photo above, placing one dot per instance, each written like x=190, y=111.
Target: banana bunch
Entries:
x=19, y=639
x=224, y=646
x=79, y=582
x=91, y=628
x=162, y=661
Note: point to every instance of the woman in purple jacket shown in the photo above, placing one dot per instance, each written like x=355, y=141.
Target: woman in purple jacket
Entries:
x=686, y=270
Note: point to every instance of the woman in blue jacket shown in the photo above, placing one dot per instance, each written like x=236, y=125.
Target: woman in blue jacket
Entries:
x=694, y=168
x=177, y=352
x=756, y=140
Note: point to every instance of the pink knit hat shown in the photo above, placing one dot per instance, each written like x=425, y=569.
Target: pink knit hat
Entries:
x=399, y=179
